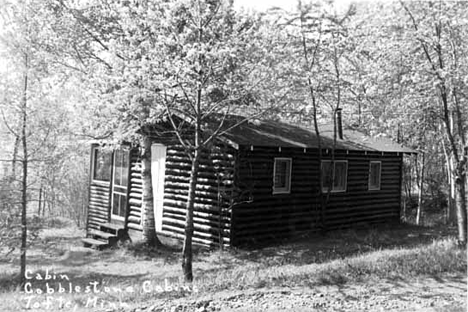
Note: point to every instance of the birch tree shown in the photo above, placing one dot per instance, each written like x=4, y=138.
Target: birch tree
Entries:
x=34, y=109
x=438, y=32
x=315, y=36
x=18, y=37
x=401, y=64
x=188, y=64
x=195, y=76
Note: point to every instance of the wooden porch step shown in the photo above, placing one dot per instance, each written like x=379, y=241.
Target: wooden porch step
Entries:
x=101, y=234
x=108, y=235
x=94, y=243
x=111, y=228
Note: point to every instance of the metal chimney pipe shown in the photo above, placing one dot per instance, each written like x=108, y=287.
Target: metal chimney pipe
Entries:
x=339, y=123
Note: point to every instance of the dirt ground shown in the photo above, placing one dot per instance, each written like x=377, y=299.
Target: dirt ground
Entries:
x=428, y=294
x=61, y=250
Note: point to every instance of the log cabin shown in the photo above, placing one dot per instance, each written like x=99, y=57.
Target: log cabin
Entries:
x=261, y=181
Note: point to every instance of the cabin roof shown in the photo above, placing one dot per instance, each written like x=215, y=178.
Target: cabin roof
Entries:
x=280, y=134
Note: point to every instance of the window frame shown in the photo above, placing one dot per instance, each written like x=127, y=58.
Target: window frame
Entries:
x=373, y=188
x=123, y=172
x=95, y=154
x=287, y=188
x=325, y=189
x=119, y=190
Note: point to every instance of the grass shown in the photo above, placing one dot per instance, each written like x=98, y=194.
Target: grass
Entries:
x=393, y=253
x=439, y=257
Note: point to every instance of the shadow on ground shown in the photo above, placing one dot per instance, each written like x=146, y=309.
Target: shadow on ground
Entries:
x=55, y=249
x=319, y=248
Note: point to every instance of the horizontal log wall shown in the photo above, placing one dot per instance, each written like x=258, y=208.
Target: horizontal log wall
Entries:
x=212, y=215
x=359, y=204
x=135, y=192
x=262, y=216
x=98, y=208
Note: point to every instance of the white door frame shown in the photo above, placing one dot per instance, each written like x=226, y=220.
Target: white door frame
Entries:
x=158, y=173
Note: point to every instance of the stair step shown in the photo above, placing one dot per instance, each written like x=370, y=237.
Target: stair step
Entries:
x=91, y=242
x=104, y=235
x=111, y=227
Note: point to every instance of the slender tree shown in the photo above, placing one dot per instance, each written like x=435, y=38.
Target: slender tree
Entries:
x=315, y=38
x=436, y=29
x=188, y=64
x=33, y=109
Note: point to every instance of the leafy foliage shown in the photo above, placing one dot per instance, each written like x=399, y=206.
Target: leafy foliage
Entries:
x=39, y=98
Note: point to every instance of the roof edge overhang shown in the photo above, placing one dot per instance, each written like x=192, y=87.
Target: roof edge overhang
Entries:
x=406, y=151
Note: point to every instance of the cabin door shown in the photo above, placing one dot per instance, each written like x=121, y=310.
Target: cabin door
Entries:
x=158, y=171
x=119, y=185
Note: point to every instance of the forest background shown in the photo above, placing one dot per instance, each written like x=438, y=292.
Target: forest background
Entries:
x=73, y=72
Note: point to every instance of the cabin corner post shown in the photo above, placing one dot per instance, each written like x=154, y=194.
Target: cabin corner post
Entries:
x=90, y=179
x=111, y=183
x=235, y=199
x=131, y=150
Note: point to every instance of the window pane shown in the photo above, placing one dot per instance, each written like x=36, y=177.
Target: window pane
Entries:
x=118, y=167
x=102, y=165
x=121, y=167
x=125, y=167
x=119, y=205
x=374, y=175
x=340, y=176
x=280, y=173
x=287, y=173
x=122, y=205
x=115, y=204
x=327, y=173
x=120, y=189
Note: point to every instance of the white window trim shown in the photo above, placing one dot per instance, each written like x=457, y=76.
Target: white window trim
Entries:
x=325, y=189
x=380, y=176
x=287, y=189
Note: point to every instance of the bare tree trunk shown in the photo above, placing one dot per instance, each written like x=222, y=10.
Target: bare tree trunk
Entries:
x=149, y=228
x=39, y=202
x=403, y=218
x=456, y=139
x=187, y=253
x=24, y=180
x=460, y=183
x=411, y=183
x=310, y=65
x=406, y=191
x=14, y=159
x=51, y=215
x=82, y=219
x=44, y=202
x=408, y=184
x=450, y=215
x=451, y=211
x=421, y=186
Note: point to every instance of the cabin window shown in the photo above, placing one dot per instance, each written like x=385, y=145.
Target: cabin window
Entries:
x=282, y=176
x=375, y=168
x=334, y=175
x=102, y=165
x=121, y=168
